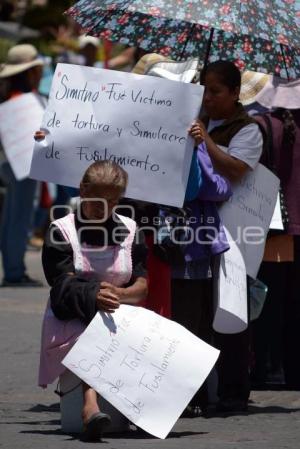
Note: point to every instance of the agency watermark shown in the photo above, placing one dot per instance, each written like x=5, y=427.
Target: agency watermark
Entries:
x=179, y=229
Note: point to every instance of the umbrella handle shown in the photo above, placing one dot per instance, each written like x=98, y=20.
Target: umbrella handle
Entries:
x=284, y=61
x=179, y=58
x=211, y=35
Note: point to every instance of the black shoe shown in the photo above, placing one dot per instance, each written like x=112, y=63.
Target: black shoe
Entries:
x=24, y=281
x=231, y=405
x=94, y=427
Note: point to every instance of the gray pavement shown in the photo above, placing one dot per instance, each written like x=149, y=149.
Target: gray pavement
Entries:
x=30, y=418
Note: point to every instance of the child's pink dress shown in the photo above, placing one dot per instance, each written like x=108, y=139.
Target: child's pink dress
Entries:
x=111, y=264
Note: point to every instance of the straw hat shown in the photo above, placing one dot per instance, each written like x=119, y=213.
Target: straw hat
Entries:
x=269, y=91
x=20, y=58
x=253, y=83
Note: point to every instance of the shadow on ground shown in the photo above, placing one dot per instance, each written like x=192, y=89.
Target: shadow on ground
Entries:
x=40, y=408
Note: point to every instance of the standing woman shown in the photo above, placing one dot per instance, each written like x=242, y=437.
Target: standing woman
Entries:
x=22, y=72
x=234, y=144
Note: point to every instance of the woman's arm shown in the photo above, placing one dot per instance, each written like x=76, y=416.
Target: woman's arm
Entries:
x=57, y=255
x=124, y=58
x=232, y=168
x=136, y=292
x=71, y=296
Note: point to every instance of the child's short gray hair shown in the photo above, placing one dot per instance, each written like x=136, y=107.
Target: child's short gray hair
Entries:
x=105, y=174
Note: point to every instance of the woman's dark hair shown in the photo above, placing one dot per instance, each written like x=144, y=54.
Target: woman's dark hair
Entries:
x=20, y=82
x=226, y=71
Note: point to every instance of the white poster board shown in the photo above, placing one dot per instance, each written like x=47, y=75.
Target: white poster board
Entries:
x=20, y=117
x=230, y=291
x=140, y=122
x=146, y=366
x=248, y=213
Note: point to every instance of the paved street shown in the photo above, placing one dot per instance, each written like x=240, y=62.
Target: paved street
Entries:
x=30, y=417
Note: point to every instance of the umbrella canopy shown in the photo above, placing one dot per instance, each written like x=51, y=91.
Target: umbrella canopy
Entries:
x=258, y=35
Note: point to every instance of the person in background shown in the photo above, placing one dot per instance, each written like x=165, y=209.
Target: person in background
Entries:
x=234, y=143
x=274, y=104
x=89, y=270
x=88, y=47
x=127, y=59
x=22, y=71
x=275, y=334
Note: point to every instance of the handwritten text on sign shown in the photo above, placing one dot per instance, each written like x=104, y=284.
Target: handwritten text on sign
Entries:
x=140, y=122
x=248, y=213
x=147, y=366
x=19, y=119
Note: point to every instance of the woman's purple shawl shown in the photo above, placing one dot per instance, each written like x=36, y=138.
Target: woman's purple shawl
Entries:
x=210, y=238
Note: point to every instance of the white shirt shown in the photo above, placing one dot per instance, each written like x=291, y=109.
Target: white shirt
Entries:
x=246, y=145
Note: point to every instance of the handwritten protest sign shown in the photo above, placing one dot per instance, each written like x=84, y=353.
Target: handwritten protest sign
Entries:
x=146, y=366
x=19, y=119
x=248, y=213
x=231, y=314
x=140, y=122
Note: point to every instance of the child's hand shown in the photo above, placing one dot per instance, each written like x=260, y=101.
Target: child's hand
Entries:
x=198, y=132
x=39, y=135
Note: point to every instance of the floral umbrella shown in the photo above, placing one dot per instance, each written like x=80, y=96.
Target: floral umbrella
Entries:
x=257, y=35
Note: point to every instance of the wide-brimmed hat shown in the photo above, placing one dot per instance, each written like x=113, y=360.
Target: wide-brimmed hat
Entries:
x=20, y=58
x=269, y=91
x=253, y=83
